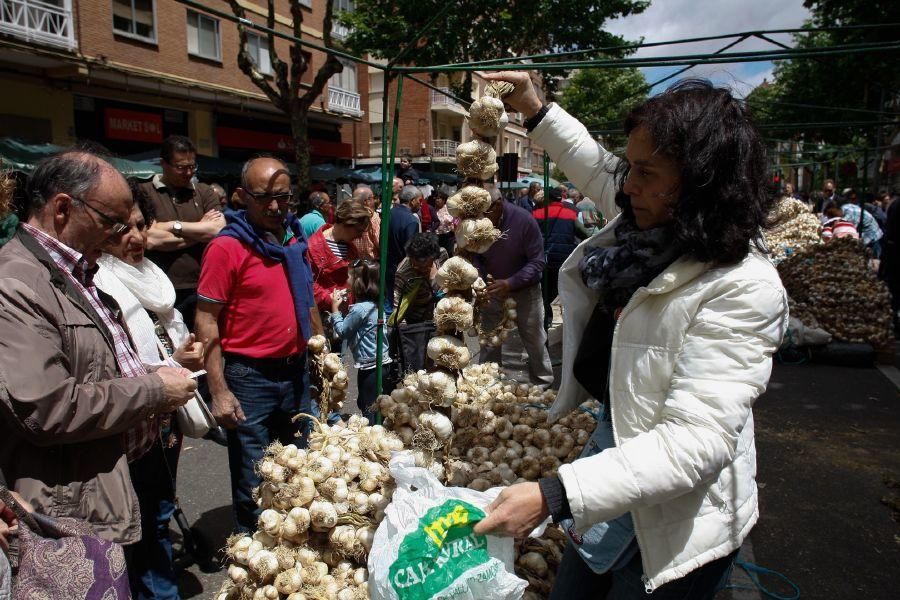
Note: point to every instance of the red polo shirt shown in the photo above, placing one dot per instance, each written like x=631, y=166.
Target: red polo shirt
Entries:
x=258, y=318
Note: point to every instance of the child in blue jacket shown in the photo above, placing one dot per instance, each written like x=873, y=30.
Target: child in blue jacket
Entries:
x=359, y=328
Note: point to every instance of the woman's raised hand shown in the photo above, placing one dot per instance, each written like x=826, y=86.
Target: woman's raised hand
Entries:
x=524, y=98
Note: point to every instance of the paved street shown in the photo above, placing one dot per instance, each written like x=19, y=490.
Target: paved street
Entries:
x=829, y=468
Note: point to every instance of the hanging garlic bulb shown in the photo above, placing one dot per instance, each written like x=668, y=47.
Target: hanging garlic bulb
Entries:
x=476, y=235
x=487, y=117
x=476, y=160
x=470, y=202
x=456, y=273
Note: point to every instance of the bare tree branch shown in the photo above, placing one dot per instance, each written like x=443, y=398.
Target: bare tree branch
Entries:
x=298, y=57
x=278, y=65
x=245, y=61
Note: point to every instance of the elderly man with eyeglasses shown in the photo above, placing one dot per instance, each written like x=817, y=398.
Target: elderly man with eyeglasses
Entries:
x=78, y=403
x=188, y=216
x=255, y=314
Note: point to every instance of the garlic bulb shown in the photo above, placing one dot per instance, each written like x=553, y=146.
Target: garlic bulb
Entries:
x=476, y=235
x=448, y=352
x=453, y=313
x=332, y=363
x=487, y=117
x=317, y=344
x=437, y=423
x=456, y=273
x=470, y=202
x=476, y=160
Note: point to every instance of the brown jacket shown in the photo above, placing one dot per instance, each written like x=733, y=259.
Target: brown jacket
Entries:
x=63, y=406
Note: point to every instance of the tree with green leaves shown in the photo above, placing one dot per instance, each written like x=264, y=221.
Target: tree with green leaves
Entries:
x=855, y=87
x=476, y=30
x=601, y=98
x=285, y=90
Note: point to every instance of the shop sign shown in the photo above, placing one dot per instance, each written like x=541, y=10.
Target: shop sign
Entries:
x=262, y=141
x=123, y=124
x=234, y=137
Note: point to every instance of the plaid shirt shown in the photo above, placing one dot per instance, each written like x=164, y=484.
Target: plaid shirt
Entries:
x=367, y=244
x=71, y=262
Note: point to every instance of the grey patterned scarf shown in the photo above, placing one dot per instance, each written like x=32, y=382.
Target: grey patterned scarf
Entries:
x=638, y=256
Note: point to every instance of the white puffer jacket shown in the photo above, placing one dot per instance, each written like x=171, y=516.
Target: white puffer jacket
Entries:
x=691, y=353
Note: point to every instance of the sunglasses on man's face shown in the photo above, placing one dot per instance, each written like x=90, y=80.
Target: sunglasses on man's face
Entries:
x=280, y=198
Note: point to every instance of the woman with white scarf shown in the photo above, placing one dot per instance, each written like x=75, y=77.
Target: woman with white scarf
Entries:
x=147, y=298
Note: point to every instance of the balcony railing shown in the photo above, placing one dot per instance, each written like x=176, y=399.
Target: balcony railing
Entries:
x=444, y=148
x=438, y=98
x=38, y=21
x=343, y=101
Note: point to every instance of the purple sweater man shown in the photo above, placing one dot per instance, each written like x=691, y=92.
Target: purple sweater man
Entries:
x=516, y=262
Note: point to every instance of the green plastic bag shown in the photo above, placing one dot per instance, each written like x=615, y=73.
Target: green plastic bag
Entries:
x=425, y=547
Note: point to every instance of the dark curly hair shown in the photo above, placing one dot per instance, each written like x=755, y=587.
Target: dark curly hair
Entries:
x=725, y=199
x=142, y=200
x=423, y=246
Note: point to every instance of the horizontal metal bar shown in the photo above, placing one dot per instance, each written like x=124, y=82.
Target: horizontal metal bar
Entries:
x=688, y=59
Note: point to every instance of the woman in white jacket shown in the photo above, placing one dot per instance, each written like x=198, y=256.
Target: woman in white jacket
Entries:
x=672, y=315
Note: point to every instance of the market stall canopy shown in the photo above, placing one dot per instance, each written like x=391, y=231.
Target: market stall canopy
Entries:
x=19, y=156
x=524, y=182
x=435, y=177
x=330, y=172
x=208, y=167
x=372, y=175
x=368, y=175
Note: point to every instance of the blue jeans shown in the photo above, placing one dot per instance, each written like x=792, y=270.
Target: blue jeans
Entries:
x=150, y=571
x=575, y=581
x=271, y=393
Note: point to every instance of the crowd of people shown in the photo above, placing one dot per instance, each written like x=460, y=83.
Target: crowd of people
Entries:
x=121, y=301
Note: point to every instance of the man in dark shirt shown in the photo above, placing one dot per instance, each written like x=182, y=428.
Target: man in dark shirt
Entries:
x=406, y=172
x=403, y=226
x=516, y=262
x=188, y=215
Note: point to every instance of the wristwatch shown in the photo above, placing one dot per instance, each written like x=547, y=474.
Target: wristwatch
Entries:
x=177, y=229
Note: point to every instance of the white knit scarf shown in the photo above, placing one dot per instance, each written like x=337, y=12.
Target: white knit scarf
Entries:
x=138, y=289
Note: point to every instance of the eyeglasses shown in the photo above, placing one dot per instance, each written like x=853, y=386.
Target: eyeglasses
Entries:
x=117, y=226
x=184, y=168
x=360, y=262
x=267, y=197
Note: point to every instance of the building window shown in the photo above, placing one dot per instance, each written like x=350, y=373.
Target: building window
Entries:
x=203, y=36
x=258, y=46
x=346, y=79
x=135, y=18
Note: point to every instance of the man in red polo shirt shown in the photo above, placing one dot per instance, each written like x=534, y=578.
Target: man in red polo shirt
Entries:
x=255, y=313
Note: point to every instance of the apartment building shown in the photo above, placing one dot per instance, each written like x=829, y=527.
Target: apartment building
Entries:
x=127, y=73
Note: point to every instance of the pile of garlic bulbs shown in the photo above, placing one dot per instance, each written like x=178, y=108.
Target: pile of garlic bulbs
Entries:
x=327, y=374
x=497, y=433
x=321, y=507
x=538, y=561
x=834, y=284
x=792, y=227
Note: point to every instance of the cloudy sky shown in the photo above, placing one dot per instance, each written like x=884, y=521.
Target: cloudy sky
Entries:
x=677, y=19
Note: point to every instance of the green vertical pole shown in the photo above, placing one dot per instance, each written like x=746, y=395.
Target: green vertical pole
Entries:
x=387, y=177
x=386, y=193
